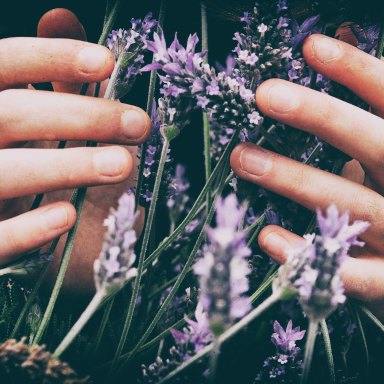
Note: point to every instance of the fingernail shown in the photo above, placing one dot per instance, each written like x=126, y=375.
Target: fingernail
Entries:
x=134, y=124
x=282, y=99
x=275, y=244
x=325, y=49
x=56, y=217
x=91, y=59
x=110, y=162
x=255, y=160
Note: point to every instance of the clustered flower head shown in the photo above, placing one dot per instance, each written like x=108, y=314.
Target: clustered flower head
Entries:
x=223, y=268
x=285, y=365
x=23, y=363
x=130, y=44
x=263, y=48
x=313, y=267
x=190, y=81
x=113, y=268
x=189, y=341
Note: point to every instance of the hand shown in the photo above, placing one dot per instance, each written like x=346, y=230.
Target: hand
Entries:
x=358, y=133
x=28, y=117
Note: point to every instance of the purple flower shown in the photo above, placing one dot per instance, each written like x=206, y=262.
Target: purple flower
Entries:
x=131, y=43
x=285, y=365
x=113, y=268
x=223, y=269
x=189, y=341
x=301, y=32
x=285, y=340
x=188, y=83
x=197, y=334
x=313, y=267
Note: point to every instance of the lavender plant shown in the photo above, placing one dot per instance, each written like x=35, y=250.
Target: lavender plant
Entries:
x=224, y=268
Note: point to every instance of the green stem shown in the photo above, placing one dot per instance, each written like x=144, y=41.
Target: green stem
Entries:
x=151, y=95
x=361, y=333
x=214, y=360
x=80, y=323
x=63, y=267
x=196, y=206
x=380, y=44
x=103, y=324
x=206, y=125
x=143, y=251
x=309, y=348
x=263, y=287
x=245, y=321
x=155, y=340
x=328, y=350
x=109, y=22
x=373, y=318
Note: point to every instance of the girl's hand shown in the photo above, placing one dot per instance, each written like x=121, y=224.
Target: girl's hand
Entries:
x=358, y=133
x=32, y=121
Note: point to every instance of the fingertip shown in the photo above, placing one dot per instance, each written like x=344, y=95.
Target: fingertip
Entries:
x=276, y=241
x=235, y=157
x=71, y=213
x=112, y=164
x=136, y=125
x=95, y=63
x=262, y=93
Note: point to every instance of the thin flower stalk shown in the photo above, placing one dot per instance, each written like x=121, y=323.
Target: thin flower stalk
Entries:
x=113, y=268
x=143, y=252
x=79, y=202
x=206, y=124
x=309, y=348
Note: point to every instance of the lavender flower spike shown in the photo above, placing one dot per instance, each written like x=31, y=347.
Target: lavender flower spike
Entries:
x=113, y=268
x=132, y=43
x=188, y=80
x=223, y=269
x=313, y=267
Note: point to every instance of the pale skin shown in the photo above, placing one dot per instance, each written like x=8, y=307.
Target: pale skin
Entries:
x=29, y=116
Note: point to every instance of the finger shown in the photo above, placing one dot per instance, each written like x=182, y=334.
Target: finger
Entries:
x=62, y=23
x=32, y=171
x=41, y=115
x=339, y=61
x=33, y=229
x=354, y=131
x=310, y=187
x=362, y=277
x=27, y=60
